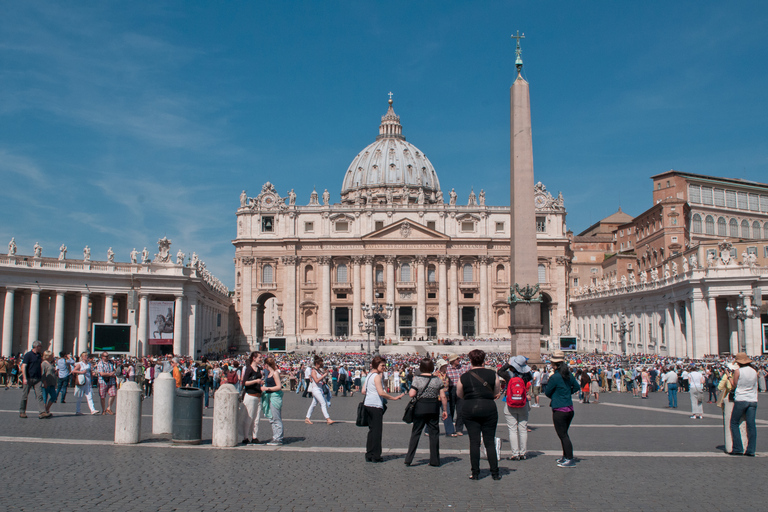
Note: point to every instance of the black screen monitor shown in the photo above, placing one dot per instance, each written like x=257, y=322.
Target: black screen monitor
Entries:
x=112, y=338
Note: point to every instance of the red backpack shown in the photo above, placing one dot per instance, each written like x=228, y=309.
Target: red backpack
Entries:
x=516, y=393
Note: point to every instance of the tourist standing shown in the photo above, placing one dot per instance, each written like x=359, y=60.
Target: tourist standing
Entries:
x=373, y=390
x=107, y=384
x=49, y=380
x=670, y=379
x=560, y=387
x=252, y=381
x=428, y=388
x=744, y=380
x=64, y=368
x=442, y=366
x=519, y=379
x=31, y=373
x=316, y=378
x=479, y=387
x=83, y=384
x=454, y=372
x=696, y=386
x=272, y=400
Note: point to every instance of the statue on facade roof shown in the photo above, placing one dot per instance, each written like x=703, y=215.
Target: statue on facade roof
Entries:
x=694, y=261
x=420, y=199
x=12, y=247
x=452, y=195
x=472, y=198
x=86, y=253
x=38, y=250
x=390, y=200
x=145, y=256
x=326, y=197
x=134, y=255
x=291, y=197
x=243, y=199
x=482, y=197
x=62, y=252
x=195, y=260
x=180, y=257
x=110, y=255
x=439, y=197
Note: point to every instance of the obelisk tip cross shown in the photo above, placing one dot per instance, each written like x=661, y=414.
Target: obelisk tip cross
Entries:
x=518, y=52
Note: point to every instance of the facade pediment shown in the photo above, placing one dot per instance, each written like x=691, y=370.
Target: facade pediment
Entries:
x=405, y=230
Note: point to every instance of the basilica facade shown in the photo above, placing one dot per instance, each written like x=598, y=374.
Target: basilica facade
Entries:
x=396, y=237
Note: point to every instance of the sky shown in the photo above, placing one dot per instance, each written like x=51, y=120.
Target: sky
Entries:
x=123, y=122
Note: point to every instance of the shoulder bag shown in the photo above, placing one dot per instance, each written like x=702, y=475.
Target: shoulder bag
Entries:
x=411, y=406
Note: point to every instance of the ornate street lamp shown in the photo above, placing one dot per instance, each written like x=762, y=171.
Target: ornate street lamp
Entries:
x=740, y=313
x=377, y=312
x=368, y=327
x=623, y=327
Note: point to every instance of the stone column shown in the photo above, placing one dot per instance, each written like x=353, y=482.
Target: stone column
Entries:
x=690, y=345
x=34, y=317
x=482, y=262
x=325, y=297
x=178, y=314
x=82, y=329
x=356, y=296
x=669, y=339
x=8, y=322
x=369, y=282
x=246, y=284
x=453, y=307
x=291, y=299
x=421, y=296
x=389, y=323
x=142, y=336
x=712, y=315
x=442, y=294
x=108, y=318
x=58, y=324
x=194, y=342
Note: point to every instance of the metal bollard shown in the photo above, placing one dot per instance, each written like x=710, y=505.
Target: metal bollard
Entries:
x=163, y=395
x=226, y=405
x=128, y=416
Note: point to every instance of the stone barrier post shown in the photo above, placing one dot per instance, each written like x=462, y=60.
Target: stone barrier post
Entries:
x=163, y=394
x=727, y=410
x=128, y=418
x=226, y=404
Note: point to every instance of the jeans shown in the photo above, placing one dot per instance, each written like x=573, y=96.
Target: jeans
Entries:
x=49, y=394
x=61, y=389
x=147, y=387
x=448, y=424
x=748, y=409
x=562, y=421
x=205, y=387
x=37, y=387
x=672, y=393
x=455, y=403
x=517, y=424
x=375, y=430
x=277, y=424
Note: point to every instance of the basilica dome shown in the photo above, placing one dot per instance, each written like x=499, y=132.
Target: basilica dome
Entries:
x=391, y=170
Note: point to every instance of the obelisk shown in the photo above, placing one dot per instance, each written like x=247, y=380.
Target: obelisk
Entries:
x=524, y=301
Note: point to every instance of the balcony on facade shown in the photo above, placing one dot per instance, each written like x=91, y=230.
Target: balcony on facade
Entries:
x=469, y=285
x=267, y=286
x=406, y=285
x=432, y=285
x=339, y=286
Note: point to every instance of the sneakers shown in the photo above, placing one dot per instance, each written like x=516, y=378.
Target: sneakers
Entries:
x=274, y=443
x=45, y=415
x=560, y=460
x=566, y=463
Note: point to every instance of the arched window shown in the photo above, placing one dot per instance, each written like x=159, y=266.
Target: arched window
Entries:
x=733, y=225
x=722, y=227
x=405, y=272
x=500, y=274
x=756, y=229
x=696, y=223
x=542, y=273
x=467, y=273
x=431, y=277
x=379, y=274
x=267, y=274
x=341, y=273
x=745, y=229
x=709, y=225
x=309, y=274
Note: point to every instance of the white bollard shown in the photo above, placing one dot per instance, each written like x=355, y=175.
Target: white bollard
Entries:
x=128, y=416
x=163, y=394
x=727, y=410
x=225, y=409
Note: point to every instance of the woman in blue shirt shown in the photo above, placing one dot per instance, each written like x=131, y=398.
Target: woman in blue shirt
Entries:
x=560, y=387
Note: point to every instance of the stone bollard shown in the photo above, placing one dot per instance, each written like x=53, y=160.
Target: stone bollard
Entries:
x=128, y=416
x=163, y=394
x=225, y=410
x=727, y=410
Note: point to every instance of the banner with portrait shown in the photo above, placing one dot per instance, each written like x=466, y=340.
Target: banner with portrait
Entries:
x=161, y=322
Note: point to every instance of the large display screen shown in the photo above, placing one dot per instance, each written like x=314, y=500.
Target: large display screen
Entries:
x=277, y=344
x=568, y=343
x=112, y=338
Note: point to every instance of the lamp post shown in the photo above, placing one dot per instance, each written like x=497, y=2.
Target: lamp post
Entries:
x=377, y=312
x=740, y=313
x=368, y=327
x=622, y=328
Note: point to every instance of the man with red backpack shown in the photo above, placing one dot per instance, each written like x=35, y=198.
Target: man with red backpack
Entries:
x=518, y=376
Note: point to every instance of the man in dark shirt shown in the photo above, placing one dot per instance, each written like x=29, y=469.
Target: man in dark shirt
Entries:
x=31, y=373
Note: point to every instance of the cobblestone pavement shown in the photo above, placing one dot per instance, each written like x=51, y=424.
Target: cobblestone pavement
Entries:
x=633, y=454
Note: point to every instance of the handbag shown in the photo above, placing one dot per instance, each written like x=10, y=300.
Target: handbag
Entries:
x=362, y=415
x=410, y=408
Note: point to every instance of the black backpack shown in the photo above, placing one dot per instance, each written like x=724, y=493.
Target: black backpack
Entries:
x=202, y=375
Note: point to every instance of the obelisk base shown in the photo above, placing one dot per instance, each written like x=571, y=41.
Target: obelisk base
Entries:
x=525, y=329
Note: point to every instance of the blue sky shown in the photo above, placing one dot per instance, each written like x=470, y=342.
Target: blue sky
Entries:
x=121, y=123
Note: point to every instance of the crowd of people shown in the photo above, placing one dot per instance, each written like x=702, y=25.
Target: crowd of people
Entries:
x=443, y=387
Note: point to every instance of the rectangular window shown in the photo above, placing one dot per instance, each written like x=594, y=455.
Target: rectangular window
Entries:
x=467, y=226
x=341, y=295
x=765, y=251
x=431, y=224
x=694, y=194
x=499, y=227
x=267, y=224
x=764, y=203
x=379, y=275
x=342, y=226
x=379, y=225
x=469, y=295
x=431, y=295
x=743, y=201
x=719, y=197
x=752, y=250
x=730, y=198
x=674, y=239
x=309, y=227
x=575, y=281
x=706, y=195
x=341, y=273
x=541, y=224
x=218, y=320
x=754, y=202
x=431, y=278
x=379, y=295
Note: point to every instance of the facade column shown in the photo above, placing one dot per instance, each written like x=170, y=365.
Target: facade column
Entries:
x=421, y=296
x=369, y=284
x=442, y=294
x=245, y=300
x=389, y=323
x=195, y=341
x=325, y=297
x=483, y=264
x=453, y=306
x=690, y=345
x=141, y=336
x=58, y=324
x=712, y=315
x=666, y=330
x=34, y=318
x=108, y=318
x=83, y=343
x=356, y=297
x=8, y=322
x=291, y=300
x=178, y=314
